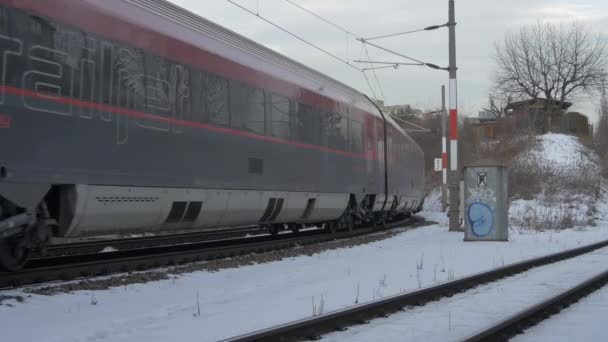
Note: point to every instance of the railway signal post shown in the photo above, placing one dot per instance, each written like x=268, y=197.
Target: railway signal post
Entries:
x=444, y=153
x=454, y=192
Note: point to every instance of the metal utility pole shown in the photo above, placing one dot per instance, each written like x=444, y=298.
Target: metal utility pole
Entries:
x=444, y=153
x=454, y=179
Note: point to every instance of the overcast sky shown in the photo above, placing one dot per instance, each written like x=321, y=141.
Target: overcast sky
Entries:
x=481, y=23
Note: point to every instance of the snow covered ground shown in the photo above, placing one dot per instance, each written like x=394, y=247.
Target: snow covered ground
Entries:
x=584, y=321
x=454, y=318
x=235, y=301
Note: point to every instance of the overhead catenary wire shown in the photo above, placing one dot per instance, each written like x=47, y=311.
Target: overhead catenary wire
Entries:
x=375, y=75
x=315, y=46
x=366, y=41
x=295, y=35
x=420, y=128
x=428, y=28
x=324, y=19
x=348, y=33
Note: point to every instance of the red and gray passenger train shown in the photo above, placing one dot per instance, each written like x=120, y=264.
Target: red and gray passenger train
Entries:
x=123, y=116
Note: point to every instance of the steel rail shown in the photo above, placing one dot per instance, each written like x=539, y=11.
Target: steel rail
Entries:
x=96, y=246
x=97, y=264
x=505, y=329
x=339, y=320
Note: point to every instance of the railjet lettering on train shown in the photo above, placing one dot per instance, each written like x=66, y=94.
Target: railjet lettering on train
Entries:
x=112, y=80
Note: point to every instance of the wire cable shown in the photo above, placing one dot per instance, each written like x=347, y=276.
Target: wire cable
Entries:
x=428, y=28
x=294, y=35
x=365, y=41
x=348, y=32
x=323, y=19
x=375, y=74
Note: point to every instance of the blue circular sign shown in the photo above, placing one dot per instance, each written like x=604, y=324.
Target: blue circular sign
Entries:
x=481, y=219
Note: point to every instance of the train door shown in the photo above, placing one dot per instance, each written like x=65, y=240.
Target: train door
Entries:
x=371, y=155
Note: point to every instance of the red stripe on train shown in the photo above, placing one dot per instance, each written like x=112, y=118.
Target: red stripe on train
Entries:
x=179, y=122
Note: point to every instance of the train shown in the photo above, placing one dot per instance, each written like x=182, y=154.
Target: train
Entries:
x=132, y=116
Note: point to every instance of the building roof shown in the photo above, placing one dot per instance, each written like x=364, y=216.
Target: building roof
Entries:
x=538, y=103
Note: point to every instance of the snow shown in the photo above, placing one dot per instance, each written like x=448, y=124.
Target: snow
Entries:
x=236, y=301
x=583, y=321
x=562, y=151
x=561, y=175
x=466, y=313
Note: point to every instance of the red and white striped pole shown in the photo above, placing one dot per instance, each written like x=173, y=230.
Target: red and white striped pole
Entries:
x=444, y=151
x=453, y=125
x=454, y=181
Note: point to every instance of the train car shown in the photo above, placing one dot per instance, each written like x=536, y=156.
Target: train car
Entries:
x=123, y=116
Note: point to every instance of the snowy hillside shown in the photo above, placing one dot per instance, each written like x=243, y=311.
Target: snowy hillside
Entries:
x=556, y=185
x=561, y=151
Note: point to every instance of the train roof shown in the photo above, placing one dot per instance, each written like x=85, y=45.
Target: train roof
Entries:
x=224, y=42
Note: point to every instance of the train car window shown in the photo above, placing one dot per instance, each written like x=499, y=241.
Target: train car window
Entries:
x=130, y=87
x=323, y=128
x=247, y=108
x=356, y=136
x=5, y=14
x=337, y=131
x=181, y=82
x=198, y=96
x=50, y=45
x=156, y=85
x=279, y=116
x=216, y=89
x=307, y=123
x=15, y=67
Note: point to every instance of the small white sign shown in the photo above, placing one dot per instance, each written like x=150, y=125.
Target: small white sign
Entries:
x=438, y=164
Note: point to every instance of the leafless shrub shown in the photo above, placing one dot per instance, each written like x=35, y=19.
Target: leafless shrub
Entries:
x=529, y=178
x=542, y=218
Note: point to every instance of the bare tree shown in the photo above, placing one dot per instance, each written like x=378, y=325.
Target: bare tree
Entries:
x=556, y=61
x=498, y=102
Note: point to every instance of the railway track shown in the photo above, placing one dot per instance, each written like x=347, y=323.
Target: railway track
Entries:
x=313, y=328
x=97, y=264
x=97, y=246
x=503, y=330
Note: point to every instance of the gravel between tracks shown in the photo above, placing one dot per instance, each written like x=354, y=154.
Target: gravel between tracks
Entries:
x=103, y=283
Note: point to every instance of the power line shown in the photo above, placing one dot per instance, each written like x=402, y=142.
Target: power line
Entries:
x=388, y=63
x=428, y=28
x=365, y=41
x=393, y=52
x=294, y=35
x=323, y=19
x=348, y=32
x=369, y=84
x=375, y=74
x=420, y=128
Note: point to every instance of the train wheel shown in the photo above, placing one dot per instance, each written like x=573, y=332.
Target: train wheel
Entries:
x=331, y=227
x=295, y=228
x=13, y=254
x=274, y=229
